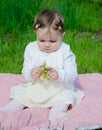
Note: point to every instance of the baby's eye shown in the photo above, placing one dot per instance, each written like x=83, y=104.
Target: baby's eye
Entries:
x=42, y=40
x=52, y=41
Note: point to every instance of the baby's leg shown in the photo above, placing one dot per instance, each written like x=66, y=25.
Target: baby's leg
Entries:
x=12, y=106
x=58, y=110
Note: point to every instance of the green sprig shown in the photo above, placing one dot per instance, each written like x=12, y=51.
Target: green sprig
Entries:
x=44, y=71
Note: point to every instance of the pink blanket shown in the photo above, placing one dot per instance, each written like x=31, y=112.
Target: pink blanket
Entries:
x=88, y=113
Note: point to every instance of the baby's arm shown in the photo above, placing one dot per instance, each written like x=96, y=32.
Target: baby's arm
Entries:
x=69, y=72
x=28, y=65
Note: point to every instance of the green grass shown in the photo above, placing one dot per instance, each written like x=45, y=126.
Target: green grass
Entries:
x=88, y=52
x=83, y=26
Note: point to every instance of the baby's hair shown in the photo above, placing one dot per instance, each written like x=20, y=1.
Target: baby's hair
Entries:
x=49, y=18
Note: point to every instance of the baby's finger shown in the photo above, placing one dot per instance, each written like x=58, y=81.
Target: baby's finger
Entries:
x=49, y=68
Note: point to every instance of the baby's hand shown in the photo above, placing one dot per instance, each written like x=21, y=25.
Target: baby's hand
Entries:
x=36, y=72
x=52, y=73
x=45, y=72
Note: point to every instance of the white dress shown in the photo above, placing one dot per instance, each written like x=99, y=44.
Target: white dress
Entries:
x=44, y=92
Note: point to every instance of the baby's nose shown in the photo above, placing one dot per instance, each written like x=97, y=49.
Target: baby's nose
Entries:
x=47, y=44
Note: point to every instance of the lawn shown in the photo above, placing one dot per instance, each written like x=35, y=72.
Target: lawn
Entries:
x=83, y=27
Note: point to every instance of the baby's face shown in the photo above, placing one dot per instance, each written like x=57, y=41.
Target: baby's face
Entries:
x=48, y=40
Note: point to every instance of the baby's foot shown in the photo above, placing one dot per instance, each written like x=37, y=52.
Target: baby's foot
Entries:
x=57, y=118
x=61, y=115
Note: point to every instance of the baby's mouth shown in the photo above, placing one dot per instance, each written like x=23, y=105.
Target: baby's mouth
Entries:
x=46, y=49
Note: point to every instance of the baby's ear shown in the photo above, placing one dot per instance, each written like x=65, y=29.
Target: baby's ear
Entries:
x=62, y=35
x=35, y=31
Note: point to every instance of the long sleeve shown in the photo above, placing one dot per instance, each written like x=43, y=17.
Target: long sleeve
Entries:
x=27, y=65
x=68, y=73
